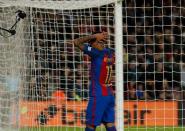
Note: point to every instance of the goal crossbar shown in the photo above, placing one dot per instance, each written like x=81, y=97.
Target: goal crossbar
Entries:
x=65, y=5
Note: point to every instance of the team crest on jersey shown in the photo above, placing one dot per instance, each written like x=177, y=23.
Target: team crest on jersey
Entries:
x=108, y=60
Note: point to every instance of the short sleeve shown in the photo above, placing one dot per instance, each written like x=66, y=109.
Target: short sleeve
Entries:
x=92, y=52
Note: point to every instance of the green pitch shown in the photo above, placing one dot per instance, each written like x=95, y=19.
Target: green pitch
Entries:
x=102, y=129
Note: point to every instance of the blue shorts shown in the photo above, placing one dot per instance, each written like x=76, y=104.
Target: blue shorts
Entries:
x=100, y=110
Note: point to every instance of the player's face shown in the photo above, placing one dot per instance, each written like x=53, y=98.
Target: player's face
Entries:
x=100, y=45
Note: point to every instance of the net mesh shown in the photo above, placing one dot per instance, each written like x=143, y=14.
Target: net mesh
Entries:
x=154, y=63
x=51, y=76
x=13, y=68
x=54, y=74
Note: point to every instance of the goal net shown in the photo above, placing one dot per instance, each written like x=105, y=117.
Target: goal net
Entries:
x=14, y=63
x=44, y=79
x=153, y=37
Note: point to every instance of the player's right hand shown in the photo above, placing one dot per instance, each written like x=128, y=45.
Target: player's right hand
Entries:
x=101, y=36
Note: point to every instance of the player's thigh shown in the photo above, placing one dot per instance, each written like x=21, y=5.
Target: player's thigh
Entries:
x=109, y=113
x=95, y=110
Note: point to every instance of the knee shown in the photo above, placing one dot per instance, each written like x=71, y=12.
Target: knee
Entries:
x=110, y=126
x=107, y=125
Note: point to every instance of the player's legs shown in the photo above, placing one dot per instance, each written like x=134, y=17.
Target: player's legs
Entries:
x=95, y=111
x=109, y=115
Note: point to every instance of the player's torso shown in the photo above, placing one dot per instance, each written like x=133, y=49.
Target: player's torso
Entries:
x=101, y=71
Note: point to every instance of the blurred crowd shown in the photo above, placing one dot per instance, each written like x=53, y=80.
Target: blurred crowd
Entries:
x=154, y=53
x=153, y=45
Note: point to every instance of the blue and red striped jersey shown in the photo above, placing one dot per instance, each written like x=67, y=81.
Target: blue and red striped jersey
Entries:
x=101, y=70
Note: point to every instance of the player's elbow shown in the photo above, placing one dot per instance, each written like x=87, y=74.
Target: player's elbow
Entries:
x=78, y=44
x=75, y=43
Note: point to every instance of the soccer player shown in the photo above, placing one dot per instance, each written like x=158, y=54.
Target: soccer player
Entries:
x=101, y=103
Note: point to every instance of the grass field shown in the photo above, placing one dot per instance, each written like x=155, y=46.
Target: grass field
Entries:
x=102, y=129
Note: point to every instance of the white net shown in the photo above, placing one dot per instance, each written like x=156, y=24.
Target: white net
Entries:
x=50, y=77
x=54, y=74
x=154, y=64
x=13, y=68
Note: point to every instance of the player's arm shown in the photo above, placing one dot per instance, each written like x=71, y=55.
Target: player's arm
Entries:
x=79, y=42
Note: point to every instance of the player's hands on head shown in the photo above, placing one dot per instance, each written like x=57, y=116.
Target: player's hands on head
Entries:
x=101, y=36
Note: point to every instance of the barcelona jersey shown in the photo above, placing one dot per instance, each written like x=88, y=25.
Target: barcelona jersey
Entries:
x=101, y=103
x=101, y=70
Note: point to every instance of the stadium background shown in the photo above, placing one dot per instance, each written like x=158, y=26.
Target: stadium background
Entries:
x=153, y=34
x=153, y=47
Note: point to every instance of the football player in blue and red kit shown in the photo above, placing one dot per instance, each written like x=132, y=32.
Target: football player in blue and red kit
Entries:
x=101, y=103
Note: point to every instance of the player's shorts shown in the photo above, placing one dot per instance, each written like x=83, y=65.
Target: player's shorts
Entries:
x=100, y=110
